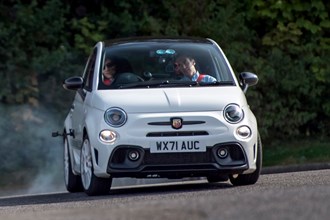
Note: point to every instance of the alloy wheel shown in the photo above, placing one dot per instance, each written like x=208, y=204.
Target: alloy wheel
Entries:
x=86, y=164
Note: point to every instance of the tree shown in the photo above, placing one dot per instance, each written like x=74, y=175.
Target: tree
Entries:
x=293, y=65
x=34, y=44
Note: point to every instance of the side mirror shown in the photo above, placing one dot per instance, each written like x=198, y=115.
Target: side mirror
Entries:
x=73, y=83
x=247, y=79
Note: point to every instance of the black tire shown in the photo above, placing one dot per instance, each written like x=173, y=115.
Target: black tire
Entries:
x=72, y=181
x=92, y=184
x=252, y=178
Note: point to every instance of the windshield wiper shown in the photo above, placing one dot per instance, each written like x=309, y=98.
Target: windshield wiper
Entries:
x=155, y=84
x=168, y=83
x=173, y=83
x=217, y=83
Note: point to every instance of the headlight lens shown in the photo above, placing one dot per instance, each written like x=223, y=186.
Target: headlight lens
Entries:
x=233, y=113
x=115, y=117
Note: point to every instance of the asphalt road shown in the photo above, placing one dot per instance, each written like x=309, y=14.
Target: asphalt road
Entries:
x=294, y=195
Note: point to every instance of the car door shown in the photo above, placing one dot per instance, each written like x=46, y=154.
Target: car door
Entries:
x=78, y=107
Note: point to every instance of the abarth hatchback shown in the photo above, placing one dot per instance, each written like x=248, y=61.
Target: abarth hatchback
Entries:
x=159, y=108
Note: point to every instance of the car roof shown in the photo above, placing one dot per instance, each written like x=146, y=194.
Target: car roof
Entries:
x=157, y=39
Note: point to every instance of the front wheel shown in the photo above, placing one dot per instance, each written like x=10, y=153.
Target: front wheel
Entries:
x=92, y=184
x=252, y=178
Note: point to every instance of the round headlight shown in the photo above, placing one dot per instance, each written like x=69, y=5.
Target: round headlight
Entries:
x=115, y=117
x=233, y=113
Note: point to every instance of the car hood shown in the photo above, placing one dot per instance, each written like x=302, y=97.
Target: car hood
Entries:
x=169, y=99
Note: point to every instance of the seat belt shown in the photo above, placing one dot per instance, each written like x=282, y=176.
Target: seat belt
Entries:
x=200, y=77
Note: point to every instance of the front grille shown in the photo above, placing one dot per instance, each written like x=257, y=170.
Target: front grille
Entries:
x=177, y=133
x=119, y=161
x=178, y=158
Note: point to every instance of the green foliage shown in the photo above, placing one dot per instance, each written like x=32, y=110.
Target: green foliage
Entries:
x=297, y=152
x=87, y=33
x=285, y=42
x=293, y=66
x=33, y=43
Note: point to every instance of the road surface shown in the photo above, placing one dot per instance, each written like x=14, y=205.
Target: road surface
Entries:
x=296, y=195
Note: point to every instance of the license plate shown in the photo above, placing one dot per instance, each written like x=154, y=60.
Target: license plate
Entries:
x=177, y=146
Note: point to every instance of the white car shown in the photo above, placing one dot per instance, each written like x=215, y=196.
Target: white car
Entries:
x=153, y=121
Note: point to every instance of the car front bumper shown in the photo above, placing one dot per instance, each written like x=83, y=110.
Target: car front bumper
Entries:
x=176, y=165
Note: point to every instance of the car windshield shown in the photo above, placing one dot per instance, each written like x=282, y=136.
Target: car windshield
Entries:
x=163, y=64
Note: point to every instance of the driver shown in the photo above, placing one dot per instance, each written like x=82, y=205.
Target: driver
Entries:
x=186, y=66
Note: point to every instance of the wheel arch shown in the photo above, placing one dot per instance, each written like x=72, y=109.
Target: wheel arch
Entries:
x=70, y=149
x=86, y=134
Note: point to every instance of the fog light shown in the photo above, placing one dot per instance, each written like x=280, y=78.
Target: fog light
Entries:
x=133, y=155
x=244, y=131
x=108, y=136
x=222, y=153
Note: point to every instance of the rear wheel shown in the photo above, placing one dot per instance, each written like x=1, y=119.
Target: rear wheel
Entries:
x=252, y=178
x=92, y=184
x=72, y=181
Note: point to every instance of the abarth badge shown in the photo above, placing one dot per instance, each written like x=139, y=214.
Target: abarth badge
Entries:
x=176, y=123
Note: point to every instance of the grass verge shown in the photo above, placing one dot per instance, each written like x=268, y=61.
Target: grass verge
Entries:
x=296, y=152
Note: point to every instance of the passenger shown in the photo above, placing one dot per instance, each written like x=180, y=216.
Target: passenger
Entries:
x=186, y=66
